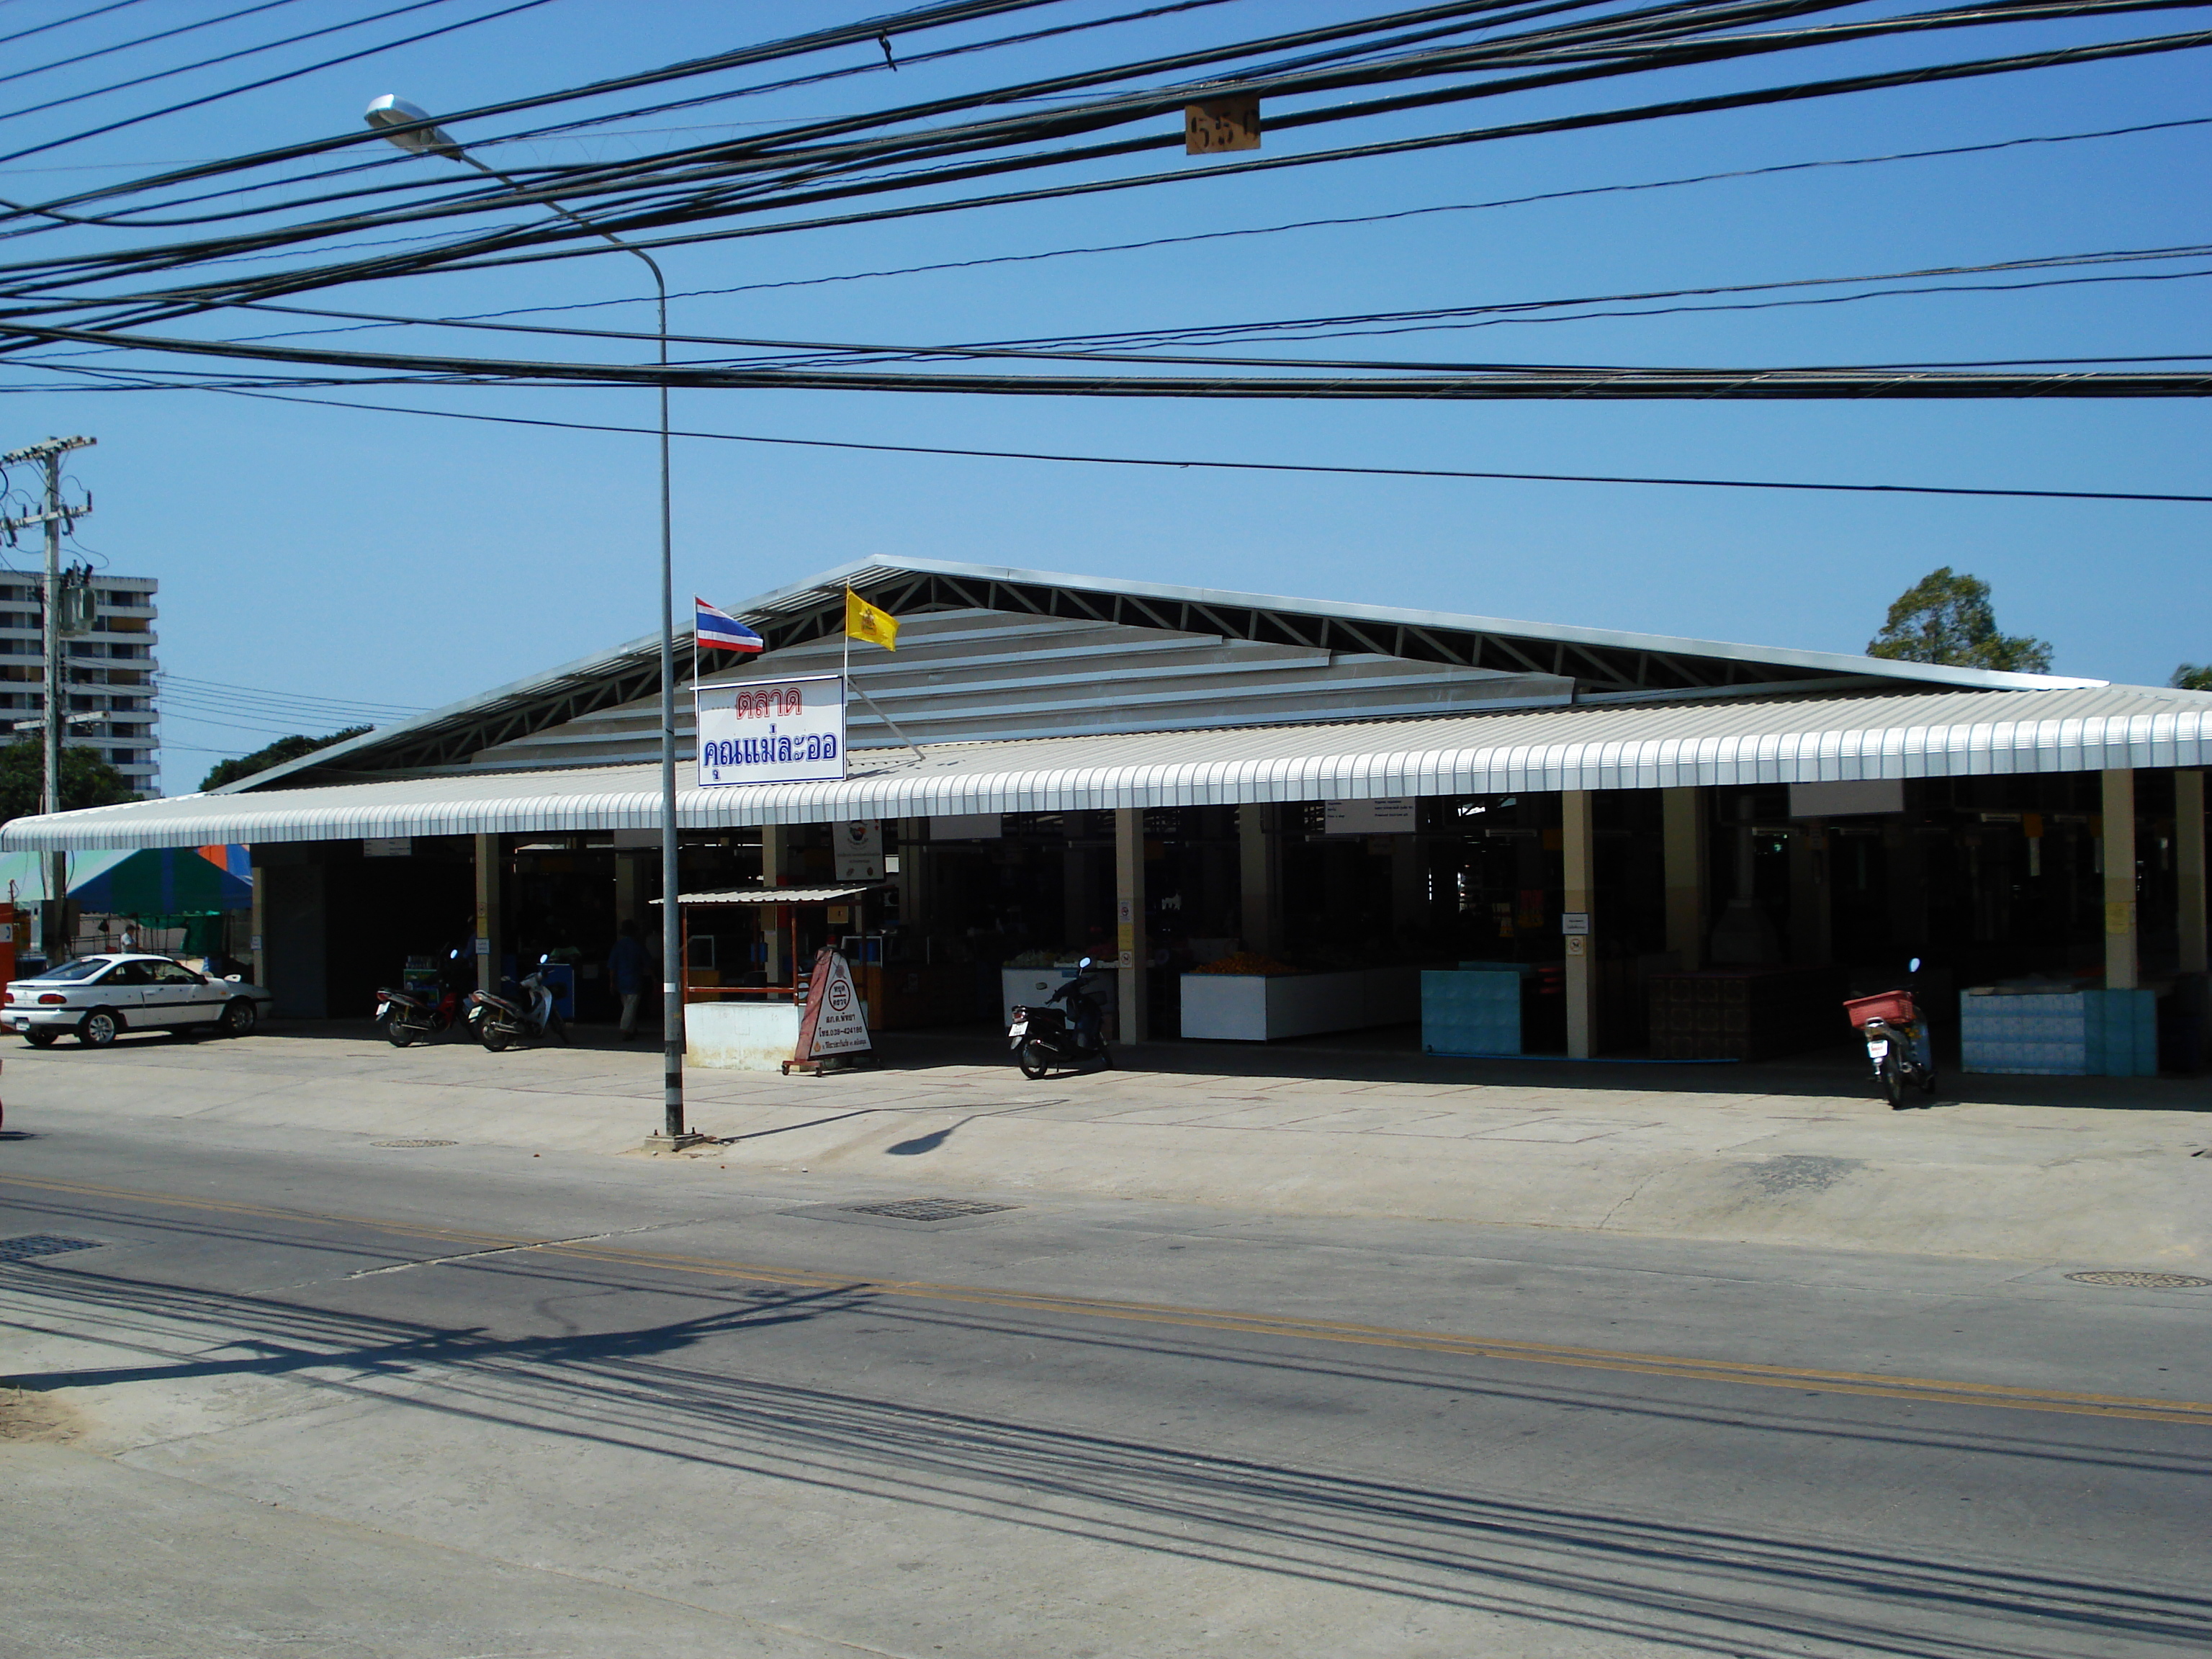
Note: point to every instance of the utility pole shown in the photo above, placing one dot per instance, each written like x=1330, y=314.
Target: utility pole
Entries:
x=56, y=518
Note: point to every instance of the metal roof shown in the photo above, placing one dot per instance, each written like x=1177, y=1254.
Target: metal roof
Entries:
x=1801, y=740
x=1599, y=661
x=769, y=896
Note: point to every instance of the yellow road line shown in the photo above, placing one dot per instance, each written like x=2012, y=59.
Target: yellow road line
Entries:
x=1870, y=1385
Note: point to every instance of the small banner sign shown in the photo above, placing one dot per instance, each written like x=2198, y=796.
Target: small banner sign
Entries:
x=772, y=731
x=833, y=1023
x=859, y=849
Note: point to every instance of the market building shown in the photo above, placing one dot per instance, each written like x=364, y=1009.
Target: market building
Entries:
x=1643, y=844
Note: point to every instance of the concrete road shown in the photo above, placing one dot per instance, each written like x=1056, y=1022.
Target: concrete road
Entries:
x=307, y=1395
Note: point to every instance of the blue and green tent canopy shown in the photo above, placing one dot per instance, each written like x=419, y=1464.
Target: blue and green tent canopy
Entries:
x=168, y=881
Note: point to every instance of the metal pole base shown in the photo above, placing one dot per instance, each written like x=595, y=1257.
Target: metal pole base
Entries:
x=676, y=1143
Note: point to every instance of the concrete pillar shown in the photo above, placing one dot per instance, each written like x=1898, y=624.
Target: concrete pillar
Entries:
x=777, y=871
x=630, y=892
x=907, y=881
x=491, y=870
x=1259, y=876
x=1578, y=850
x=1682, y=834
x=257, y=947
x=2188, y=868
x=2123, y=968
x=1134, y=961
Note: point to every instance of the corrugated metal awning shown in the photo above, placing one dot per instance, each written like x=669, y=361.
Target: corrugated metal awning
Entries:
x=1809, y=740
x=758, y=895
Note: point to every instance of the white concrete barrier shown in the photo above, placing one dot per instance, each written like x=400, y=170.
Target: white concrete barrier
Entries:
x=1259, y=1008
x=741, y=1036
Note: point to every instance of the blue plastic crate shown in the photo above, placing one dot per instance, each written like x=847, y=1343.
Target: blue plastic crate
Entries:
x=1471, y=1011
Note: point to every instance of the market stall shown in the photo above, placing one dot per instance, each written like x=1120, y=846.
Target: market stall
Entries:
x=742, y=975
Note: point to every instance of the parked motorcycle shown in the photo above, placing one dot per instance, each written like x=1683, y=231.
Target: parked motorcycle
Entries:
x=1898, y=1041
x=504, y=1023
x=411, y=1017
x=1050, y=1039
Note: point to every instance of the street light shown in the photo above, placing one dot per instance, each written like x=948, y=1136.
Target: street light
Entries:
x=412, y=128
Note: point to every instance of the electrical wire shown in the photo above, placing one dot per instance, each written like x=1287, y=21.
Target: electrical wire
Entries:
x=1343, y=221
x=275, y=80
x=910, y=113
x=515, y=246
x=216, y=693
x=1357, y=325
x=64, y=22
x=949, y=11
x=144, y=41
x=818, y=161
x=1185, y=464
x=205, y=63
x=1122, y=108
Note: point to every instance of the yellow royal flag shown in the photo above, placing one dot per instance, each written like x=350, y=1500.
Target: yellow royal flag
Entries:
x=864, y=621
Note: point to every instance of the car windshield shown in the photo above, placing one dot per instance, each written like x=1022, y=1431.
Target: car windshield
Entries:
x=83, y=968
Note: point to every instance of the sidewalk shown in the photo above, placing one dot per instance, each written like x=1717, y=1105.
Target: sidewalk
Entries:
x=2097, y=1172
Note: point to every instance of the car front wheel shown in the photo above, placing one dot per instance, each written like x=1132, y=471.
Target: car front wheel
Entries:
x=240, y=1017
x=100, y=1028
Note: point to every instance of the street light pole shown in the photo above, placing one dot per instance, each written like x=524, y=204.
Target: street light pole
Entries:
x=411, y=128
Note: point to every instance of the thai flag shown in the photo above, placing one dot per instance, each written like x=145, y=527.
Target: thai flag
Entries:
x=719, y=631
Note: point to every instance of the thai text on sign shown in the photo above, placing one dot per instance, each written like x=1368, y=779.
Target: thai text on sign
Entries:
x=771, y=731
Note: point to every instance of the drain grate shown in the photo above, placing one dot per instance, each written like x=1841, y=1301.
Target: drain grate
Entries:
x=29, y=1247
x=415, y=1143
x=2141, y=1281
x=928, y=1209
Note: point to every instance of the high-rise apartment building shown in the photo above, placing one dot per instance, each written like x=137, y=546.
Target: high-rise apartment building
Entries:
x=108, y=674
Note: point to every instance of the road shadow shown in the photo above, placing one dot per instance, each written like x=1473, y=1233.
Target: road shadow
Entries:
x=690, y=1390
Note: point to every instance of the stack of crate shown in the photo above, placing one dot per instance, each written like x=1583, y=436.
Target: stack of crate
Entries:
x=1473, y=1010
x=1745, y=1013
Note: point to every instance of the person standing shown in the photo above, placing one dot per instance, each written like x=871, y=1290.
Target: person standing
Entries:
x=627, y=965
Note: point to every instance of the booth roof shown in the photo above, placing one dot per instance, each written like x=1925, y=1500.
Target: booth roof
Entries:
x=1801, y=740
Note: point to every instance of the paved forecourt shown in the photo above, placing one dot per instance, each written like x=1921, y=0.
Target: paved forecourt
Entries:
x=2103, y=1171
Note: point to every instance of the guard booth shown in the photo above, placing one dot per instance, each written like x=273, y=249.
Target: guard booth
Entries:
x=742, y=975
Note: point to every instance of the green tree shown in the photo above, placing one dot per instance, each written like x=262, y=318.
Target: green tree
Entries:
x=284, y=748
x=87, y=780
x=2192, y=677
x=1947, y=618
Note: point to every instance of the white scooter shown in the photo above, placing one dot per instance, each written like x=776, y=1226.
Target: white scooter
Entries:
x=499, y=1024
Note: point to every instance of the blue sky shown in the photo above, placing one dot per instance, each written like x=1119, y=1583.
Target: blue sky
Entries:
x=413, y=561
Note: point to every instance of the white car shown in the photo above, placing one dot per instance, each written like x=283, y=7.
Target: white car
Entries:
x=96, y=999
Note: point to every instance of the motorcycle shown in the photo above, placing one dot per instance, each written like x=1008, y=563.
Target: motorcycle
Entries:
x=502, y=1022
x=411, y=1017
x=1898, y=1045
x=1050, y=1039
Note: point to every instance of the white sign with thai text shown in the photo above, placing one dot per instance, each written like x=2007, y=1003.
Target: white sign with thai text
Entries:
x=842, y=1026
x=771, y=731
x=1388, y=815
